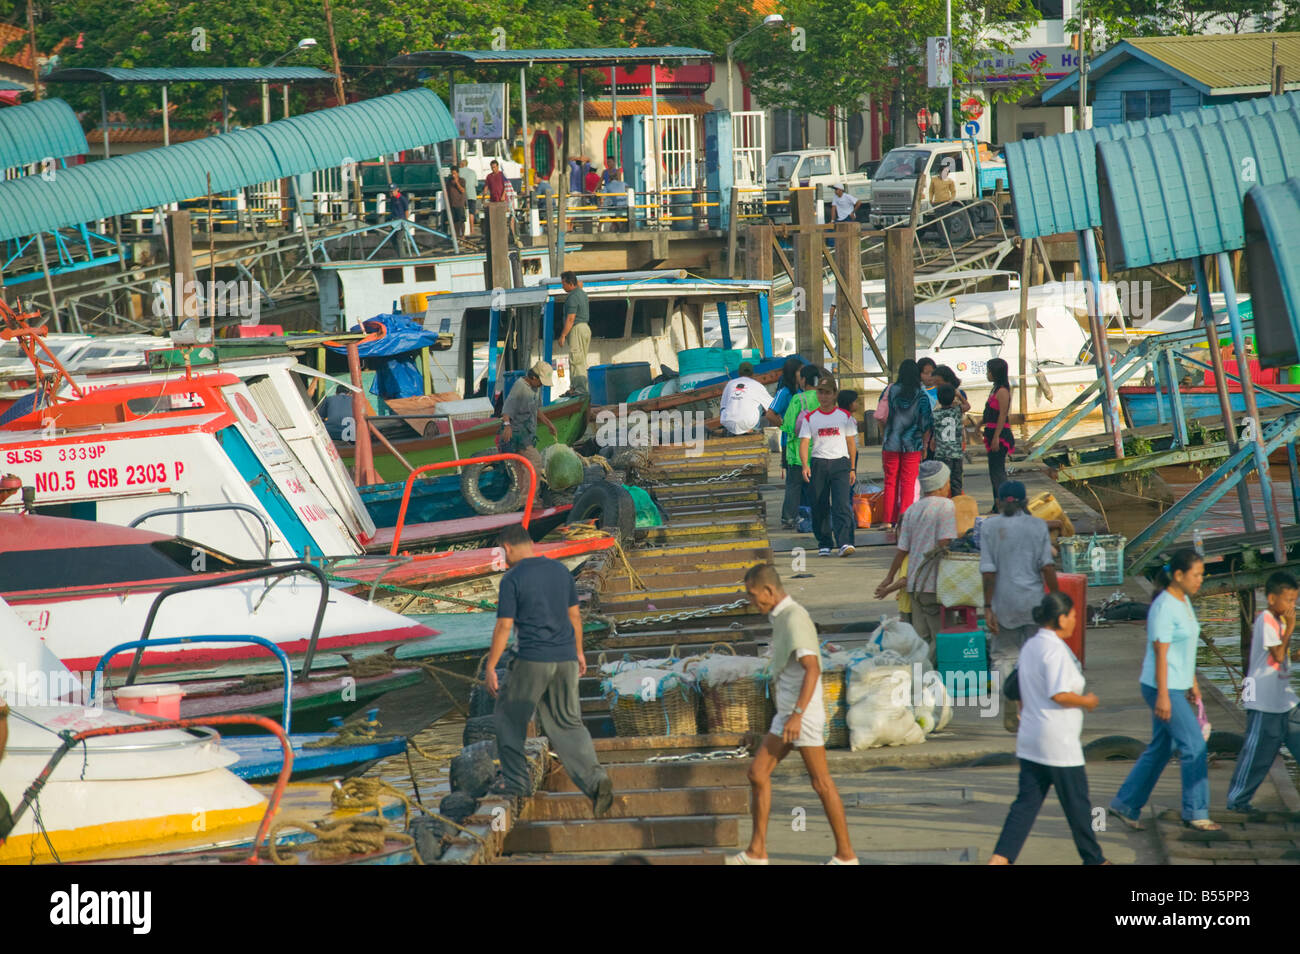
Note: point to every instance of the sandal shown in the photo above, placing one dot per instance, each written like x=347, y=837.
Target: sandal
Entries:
x=1131, y=823
x=1202, y=824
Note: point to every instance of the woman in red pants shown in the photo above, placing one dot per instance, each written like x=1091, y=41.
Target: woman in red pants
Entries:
x=907, y=430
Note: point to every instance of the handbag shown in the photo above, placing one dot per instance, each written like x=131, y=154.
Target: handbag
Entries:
x=960, y=581
x=1011, y=688
x=882, y=406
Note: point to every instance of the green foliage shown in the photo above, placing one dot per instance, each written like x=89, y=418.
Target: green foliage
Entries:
x=1110, y=21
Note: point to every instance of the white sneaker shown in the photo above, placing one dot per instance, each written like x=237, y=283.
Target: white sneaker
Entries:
x=836, y=861
x=742, y=858
x=847, y=550
x=824, y=551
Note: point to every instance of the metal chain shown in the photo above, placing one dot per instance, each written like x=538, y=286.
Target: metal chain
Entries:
x=740, y=471
x=684, y=615
x=729, y=475
x=740, y=752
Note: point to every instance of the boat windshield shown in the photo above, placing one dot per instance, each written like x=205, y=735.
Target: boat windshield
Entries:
x=23, y=570
x=902, y=164
x=926, y=332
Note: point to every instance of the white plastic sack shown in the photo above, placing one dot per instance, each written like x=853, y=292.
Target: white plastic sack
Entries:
x=721, y=669
x=883, y=715
x=857, y=687
x=645, y=684
x=935, y=708
x=899, y=637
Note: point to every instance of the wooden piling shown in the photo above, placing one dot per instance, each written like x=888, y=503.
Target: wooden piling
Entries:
x=848, y=293
x=809, y=329
x=496, y=268
x=900, y=301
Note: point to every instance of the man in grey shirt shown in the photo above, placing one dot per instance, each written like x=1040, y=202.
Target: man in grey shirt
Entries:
x=522, y=410
x=576, y=330
x=470, y=178
x=1016, y=561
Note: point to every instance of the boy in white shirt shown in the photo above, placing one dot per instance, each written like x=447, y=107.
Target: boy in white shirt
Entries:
x=800, y=720
x=1267, y=694
x=828, y=450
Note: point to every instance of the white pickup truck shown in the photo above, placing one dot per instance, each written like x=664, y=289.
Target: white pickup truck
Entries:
x=818, y=168
x=973, y=178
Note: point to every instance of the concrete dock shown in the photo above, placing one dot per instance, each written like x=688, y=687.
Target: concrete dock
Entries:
x=944, y=801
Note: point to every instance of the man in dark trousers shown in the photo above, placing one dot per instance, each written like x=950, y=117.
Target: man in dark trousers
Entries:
x=539, y=598
x=398, y=204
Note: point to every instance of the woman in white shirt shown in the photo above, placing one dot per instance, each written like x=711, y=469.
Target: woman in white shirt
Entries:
x=1047, y=744
x=828, y=450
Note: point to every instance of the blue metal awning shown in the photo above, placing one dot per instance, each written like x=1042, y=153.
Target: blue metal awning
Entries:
x=1054, y=178
x=286, y=147
x=46, y=129
x=188, y=74
x=1272, y=223
x=1178, y=194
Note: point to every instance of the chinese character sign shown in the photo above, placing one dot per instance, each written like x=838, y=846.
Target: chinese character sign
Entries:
x=480, y=110
x=938, y=62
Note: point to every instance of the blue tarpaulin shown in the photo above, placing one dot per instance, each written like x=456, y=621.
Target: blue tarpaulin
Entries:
x=392, y=355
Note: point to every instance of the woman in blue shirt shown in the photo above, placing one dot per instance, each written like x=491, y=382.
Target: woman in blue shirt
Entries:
x=1168, y=684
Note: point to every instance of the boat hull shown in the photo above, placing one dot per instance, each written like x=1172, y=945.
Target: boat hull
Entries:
x=1143, y=406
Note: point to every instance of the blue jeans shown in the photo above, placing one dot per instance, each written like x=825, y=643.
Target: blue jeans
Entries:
x=1183, y=732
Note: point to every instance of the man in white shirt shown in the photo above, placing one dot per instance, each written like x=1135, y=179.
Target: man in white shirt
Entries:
x=800, y=720
x=743, y=401
x=845, y=205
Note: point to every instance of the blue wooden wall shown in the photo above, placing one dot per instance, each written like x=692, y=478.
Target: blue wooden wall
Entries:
x=1108, y=101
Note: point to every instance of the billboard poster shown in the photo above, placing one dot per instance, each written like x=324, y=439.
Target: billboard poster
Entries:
x=938, y=62
x=480, y=110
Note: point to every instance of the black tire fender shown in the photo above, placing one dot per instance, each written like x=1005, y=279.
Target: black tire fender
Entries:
x=609, y=505
x=1113, y=747
x=513, y=498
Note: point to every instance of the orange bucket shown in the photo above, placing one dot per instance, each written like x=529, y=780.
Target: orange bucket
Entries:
x=162, y=700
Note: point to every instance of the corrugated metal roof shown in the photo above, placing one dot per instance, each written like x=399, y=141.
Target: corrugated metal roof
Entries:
x=285, y=147
x=187, y=74
x=595, y=55
x=35, y=131
x=1054, y=178
x=1273, y=267
x=8, y=87
x=1178, y=194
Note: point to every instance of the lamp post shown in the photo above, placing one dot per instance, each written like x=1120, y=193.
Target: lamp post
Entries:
x=947, y=101
x=306, y=43
x=772, y=19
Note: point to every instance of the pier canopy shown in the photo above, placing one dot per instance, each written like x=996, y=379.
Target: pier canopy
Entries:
x=1273, y=264
x=46, y=129
x=188, y=74
x=577, y=57
x=1053, y=179
x=1178, y=194
x=286, y=147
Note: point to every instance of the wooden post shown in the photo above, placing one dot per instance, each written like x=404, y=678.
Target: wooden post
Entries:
x=363, y=455
x=758, y=267
x=848, y=260
x=808, y=320
x=181, y=249
x=900, y=300
x=1026, y=266
x=552, y=248
x=733, y=226
x=496, y=267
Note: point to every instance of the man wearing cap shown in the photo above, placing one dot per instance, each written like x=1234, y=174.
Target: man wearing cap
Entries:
x=744, y=402
x=1016, y=561
x=845, y=205
x=522, y=411
x=928, y=525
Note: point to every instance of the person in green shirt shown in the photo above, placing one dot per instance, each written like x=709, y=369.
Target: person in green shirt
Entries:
x=796, y=490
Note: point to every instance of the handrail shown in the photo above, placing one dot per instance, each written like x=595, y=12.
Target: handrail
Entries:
x=286, y=710
x=70, y=740
x=204, y=508
x=258, y=574
x=443, y=465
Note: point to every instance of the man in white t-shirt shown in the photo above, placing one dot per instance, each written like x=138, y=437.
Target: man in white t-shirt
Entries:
x=845, y=204
x=800, y=720
x=743, y=401
x=828, y=448
x=1267, y=694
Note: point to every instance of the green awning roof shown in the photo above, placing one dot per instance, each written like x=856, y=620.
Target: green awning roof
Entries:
x=1271, y=215
x=286, y=147
x=46, y=129
x=1178, y=194
x=188, y=74
x=1054, y=178
x=8, y=87
x=597, y=56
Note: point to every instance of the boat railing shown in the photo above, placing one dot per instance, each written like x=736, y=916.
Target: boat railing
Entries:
x=286, y=712
x=443, y=465
x=70, y=740
x=207, y=508
x=270, y=572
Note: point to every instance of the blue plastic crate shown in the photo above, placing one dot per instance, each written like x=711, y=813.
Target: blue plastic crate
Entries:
x=1099, y=557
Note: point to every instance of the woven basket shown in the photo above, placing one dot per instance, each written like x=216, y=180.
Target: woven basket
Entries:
x=835, y=702
x=675, y=712
x=745, y=705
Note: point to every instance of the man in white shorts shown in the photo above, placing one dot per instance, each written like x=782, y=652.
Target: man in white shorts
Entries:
x=800, y=720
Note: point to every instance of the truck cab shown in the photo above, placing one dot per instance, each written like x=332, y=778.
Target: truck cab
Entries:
x=972, y=176
x=814, y=168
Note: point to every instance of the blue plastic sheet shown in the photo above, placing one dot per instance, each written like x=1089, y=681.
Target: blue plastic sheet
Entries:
x=393, y=355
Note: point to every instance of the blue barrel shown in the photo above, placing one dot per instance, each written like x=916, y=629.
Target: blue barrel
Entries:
x=509, y=381
x=612, y=383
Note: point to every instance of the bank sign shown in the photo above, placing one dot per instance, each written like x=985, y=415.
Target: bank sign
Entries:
x=1026, y=62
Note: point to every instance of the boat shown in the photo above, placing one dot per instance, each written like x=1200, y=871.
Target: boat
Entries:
x=1147, y=404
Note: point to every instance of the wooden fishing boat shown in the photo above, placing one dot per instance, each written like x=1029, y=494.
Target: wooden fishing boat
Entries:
x=1143, y=406
x=703, y=398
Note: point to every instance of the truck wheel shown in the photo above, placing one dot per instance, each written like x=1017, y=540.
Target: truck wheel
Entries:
x=512, y=500
x=610, y=505
x=958, y=226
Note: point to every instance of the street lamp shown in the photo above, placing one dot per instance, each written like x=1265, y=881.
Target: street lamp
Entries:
x=306, y=43
x=772, y=19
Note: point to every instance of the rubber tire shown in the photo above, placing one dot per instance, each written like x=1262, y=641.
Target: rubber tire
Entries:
x=1113, y=748
x=512, y=500
x=610, y=505
x=960, y=228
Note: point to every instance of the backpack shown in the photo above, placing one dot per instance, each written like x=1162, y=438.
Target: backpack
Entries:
x=882, y=406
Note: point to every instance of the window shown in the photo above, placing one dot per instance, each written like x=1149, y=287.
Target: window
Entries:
x=787, y=130
x=1049, y=9
x=1145, y=104
x=543, y=154
x=614, y=146
x=944, y=160
x=394, y=276
x=819, y=165
x=111, y=563
x=426, y=273
x=968, y=338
